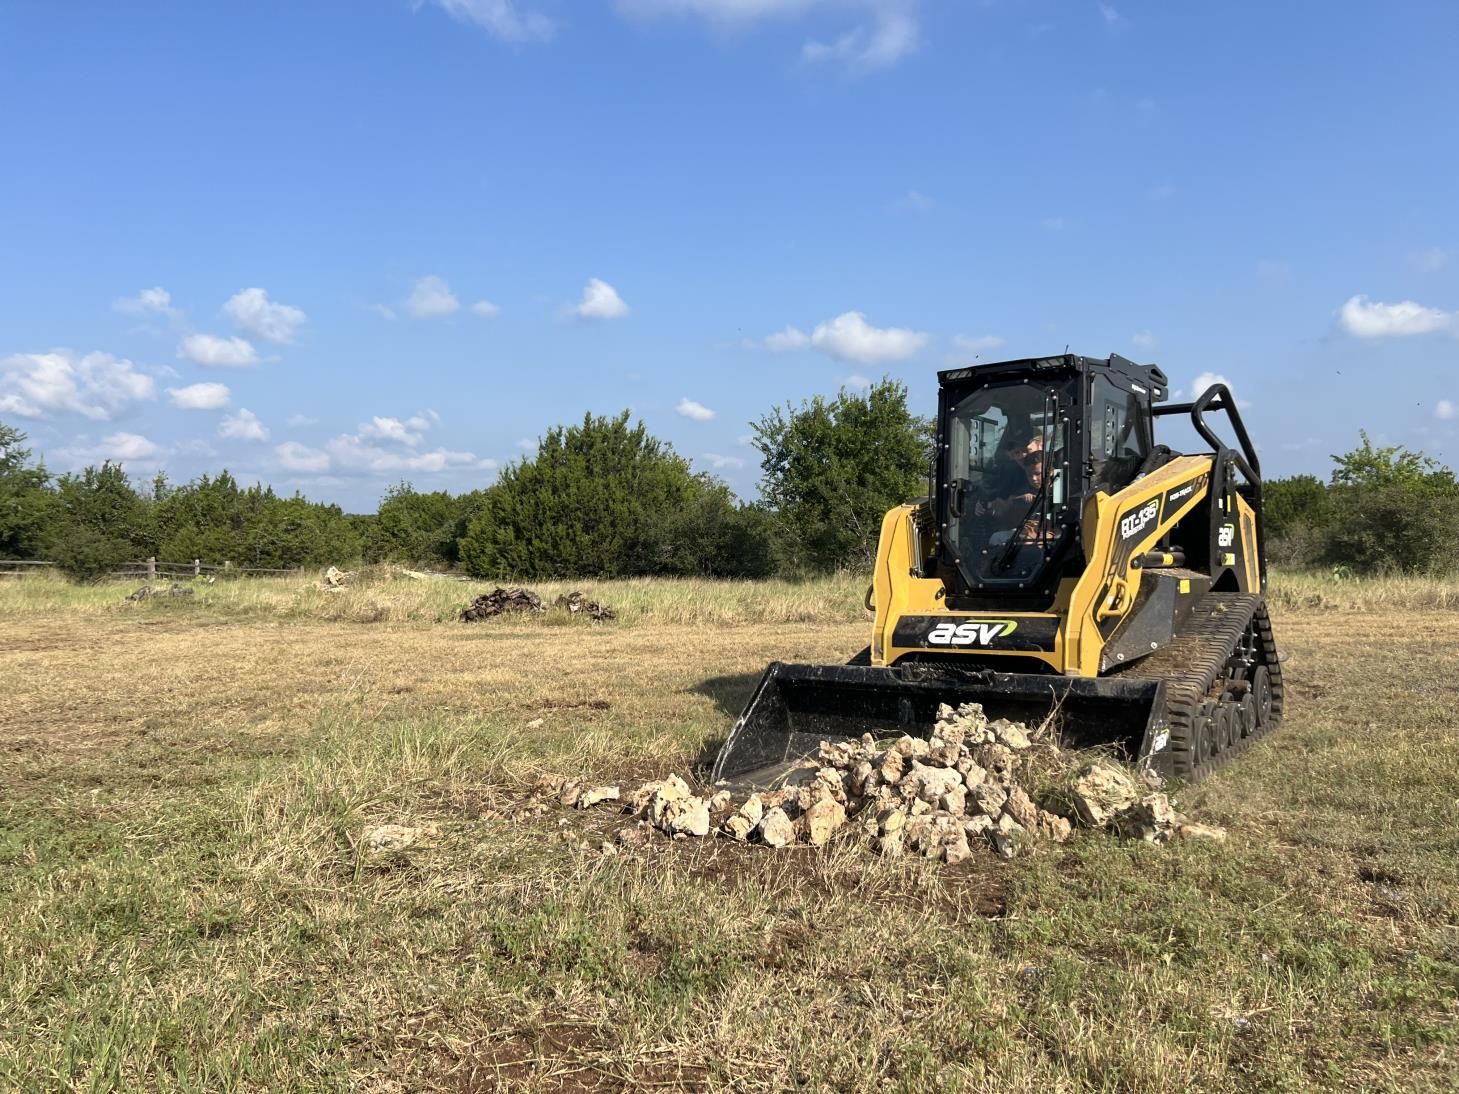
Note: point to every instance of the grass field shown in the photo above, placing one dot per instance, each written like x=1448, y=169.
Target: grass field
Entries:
x=183, y=904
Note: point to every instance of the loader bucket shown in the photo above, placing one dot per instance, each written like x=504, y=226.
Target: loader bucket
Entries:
x=796, y=707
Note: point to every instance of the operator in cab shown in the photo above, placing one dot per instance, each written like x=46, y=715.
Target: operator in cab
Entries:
x=1016, y=482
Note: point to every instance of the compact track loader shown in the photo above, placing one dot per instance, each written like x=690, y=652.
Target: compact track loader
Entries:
x=1066, y=562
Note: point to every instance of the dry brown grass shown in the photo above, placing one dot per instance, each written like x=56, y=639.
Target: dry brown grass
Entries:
x=182, y=903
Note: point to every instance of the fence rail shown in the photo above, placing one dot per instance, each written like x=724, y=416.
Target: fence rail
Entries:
x=11, y=567
x=151, y=569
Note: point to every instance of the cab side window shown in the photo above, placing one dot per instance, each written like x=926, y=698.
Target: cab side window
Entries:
x=1119, y=442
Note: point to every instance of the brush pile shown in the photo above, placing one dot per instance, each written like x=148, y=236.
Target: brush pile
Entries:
x=974, y=783
x=578, y=604
x=501, y=601
x=504, y=601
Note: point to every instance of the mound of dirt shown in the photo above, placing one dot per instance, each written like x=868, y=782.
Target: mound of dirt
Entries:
x=974, y=783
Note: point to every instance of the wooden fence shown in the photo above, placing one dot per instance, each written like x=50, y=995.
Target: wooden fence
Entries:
x=149, y=569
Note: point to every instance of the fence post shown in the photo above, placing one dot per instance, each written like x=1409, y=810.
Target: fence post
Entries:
x=151, y=567
x=197, y=567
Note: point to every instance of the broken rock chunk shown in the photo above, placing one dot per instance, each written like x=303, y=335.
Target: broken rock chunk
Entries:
x=1053, y=827
x=1020, y=807
x=597, y=796
x=690, y=818
x=1010, y=734
x=822, y=820
x=1191, y=830
x=1102, y=792
x=776, y=829
x=396, y=837
x=931, y=783
x=1152, y=819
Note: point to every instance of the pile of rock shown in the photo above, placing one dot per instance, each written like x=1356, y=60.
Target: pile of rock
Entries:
x=335, y=578
x=147, y=592
x=966, y=786
x=500, y=601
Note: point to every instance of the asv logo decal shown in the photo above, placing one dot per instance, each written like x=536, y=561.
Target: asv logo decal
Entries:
x=1135, y=523
x=1227, y=535
x=970, y=634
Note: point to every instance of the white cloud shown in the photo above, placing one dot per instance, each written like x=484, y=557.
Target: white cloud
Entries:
x=977, y=344
x=149, y=301
x=849, y=337
x=600, y=301
x=299, y=420
x=381, y=446
x=123, y=448
x=96, y=386
x=509, y=20
x=409, y=432
x=383, y=312
x=128, y=446
x=1053, y=224
x=200, y=396
x=723, y=463
x=1371, y=319
x=697, y=412
x=255, y=313
x=527, y=445
x=243, y=426
x=891, y=35
x=1430, y=260
x=294, y=456
x=745, y=440
x=215, y=352
x=1144, y=340
x=1109, y=14
x=351, y=453
x=788, y=339
x=887, y=33
x=431, y=299
x=486, y=309
x=857, y=382
x=1203, y=381
x=1445, y=410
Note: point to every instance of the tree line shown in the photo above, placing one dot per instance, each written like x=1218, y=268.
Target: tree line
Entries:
x=604, y=498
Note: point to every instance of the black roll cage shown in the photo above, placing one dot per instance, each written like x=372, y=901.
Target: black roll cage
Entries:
x=1219, y=397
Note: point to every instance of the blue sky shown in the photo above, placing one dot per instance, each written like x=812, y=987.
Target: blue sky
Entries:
x=333, y=244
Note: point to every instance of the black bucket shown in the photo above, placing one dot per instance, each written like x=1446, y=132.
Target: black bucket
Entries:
x=796, y=707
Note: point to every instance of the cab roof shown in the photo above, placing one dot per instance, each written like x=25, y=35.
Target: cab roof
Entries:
x=1061, y=364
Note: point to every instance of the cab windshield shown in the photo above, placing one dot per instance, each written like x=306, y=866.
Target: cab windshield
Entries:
x=1007, y=481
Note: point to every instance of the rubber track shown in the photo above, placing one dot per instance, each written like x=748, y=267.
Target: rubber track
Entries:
x=1193, y=663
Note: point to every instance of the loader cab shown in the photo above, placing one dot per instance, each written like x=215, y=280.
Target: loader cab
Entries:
x=1021, y=445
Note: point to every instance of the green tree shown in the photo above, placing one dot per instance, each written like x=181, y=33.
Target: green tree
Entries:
x=830, y=469
x=1392, y=509
x=1298, y=513
x=27, y=504
x=712, y=536
x=101, y=523
x=597, y=499
x=415, y=527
